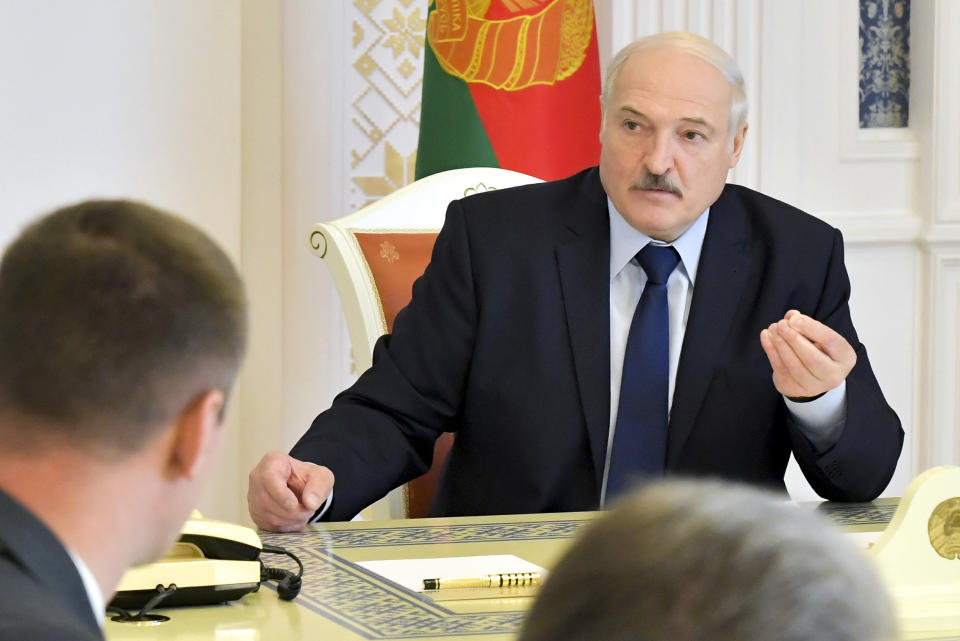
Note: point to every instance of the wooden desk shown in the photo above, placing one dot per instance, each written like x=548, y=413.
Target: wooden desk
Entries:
x=340, y=601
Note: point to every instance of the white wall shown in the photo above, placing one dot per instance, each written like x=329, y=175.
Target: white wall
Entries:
x=316, y=360
x=107, y=98
x=125, y=98
x=260, y=388
x=939, y=187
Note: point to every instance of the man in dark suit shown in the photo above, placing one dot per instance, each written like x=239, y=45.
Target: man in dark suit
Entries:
x=121, y=330
x=529, y=334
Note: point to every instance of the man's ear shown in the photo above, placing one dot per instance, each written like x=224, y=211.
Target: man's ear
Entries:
x=197, y=434
x=738, y=145
x=603, y=118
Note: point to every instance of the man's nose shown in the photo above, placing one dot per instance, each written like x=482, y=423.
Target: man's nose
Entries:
x=659, y=158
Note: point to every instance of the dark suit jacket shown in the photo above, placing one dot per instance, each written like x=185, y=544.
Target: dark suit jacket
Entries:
x=506, y=342
x=42, y=597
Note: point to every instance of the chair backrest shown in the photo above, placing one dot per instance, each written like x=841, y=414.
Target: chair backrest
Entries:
x=374, y=255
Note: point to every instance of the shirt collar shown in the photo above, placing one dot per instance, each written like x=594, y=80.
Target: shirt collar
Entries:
x=626, y=240
x=92, y=587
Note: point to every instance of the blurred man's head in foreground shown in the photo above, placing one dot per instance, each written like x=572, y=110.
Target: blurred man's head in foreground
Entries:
x=690, y=561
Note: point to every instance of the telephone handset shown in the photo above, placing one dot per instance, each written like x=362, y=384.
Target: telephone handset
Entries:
x=212, y=562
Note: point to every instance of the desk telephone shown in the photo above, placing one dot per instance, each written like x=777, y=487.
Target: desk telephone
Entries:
x=212, y=562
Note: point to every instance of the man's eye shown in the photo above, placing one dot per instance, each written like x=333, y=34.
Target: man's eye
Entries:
x=693, y=135
x=631, y=125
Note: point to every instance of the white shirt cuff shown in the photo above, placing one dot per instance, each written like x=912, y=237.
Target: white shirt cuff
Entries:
x=323, y=509
x=822, y=419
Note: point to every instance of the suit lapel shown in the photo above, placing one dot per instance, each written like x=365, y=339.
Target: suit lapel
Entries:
x=720, y=278
x=583, y=261
x=35, y=548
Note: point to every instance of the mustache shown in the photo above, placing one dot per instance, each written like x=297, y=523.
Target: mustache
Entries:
x=658, y=181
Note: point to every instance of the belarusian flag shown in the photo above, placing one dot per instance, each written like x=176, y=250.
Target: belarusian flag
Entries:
x=512, y=84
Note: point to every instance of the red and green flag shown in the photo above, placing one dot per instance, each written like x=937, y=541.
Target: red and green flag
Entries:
x=512, y=84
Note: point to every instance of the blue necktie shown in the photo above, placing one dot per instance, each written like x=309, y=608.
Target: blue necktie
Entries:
x=640, y=437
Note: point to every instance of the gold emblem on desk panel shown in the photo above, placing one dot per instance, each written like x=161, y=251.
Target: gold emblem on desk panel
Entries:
x=944, y=528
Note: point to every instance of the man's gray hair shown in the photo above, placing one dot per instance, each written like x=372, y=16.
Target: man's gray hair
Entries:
x=695, y=45
x=688, y=561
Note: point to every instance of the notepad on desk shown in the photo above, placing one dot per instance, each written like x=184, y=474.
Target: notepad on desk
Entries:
x=501, y=575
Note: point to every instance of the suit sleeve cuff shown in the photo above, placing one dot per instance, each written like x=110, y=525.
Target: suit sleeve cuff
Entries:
x=822, y=419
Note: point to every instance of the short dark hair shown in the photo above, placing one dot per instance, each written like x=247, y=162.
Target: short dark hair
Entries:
x=686, y=560
x=114, y=317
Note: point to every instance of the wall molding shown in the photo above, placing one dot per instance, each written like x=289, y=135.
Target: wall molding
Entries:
x=946, y=125
x=876, y=227
x=940, y=416
x=941, y=402
x=875, y=145
x=943, y=235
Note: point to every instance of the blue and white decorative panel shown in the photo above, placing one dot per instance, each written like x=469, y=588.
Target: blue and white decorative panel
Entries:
x=884, y=63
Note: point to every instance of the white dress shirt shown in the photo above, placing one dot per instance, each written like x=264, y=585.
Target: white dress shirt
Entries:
x=94, y=595
x=820, y=419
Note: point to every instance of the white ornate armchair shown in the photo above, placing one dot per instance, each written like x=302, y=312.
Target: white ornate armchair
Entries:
x=374, y=255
